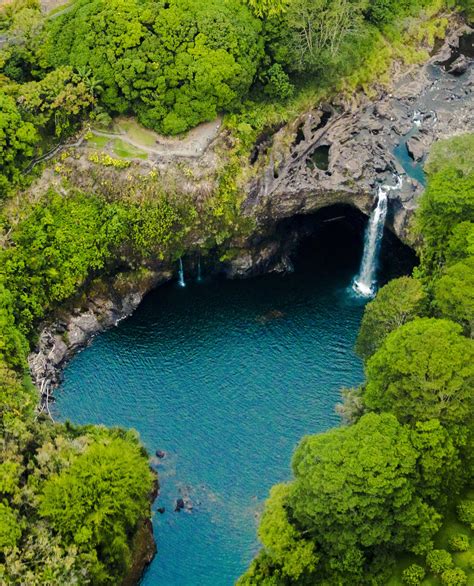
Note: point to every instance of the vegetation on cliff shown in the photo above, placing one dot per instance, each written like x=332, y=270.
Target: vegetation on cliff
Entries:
x=72, y=497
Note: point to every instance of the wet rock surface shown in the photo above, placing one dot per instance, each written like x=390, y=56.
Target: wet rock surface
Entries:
x=73, y=328
x=427, y=103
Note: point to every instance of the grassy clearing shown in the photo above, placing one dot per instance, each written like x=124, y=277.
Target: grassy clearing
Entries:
x=136, y=132
x=127, y=151
x=98, y=141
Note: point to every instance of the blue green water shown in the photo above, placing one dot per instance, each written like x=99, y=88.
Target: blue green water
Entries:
x=225, y=377
x=412, y=168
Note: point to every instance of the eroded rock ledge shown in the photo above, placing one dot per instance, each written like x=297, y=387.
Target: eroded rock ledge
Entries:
x=427, y=103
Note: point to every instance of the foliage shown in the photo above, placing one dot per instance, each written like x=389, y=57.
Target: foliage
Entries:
x=439, y=560
x=285, y=545
x=459, y=542
x=10, y=529
x=447, y=201
x=424, y=370
x=347, y=479
x=96, y=502
x=454, y=294
x=266, y=8
x=453, y=577
x=57, y=101
x=400, y=301
x=465, y=510
x=17, y=141
x=107, y=161
x=174, y=64
x=413, y=575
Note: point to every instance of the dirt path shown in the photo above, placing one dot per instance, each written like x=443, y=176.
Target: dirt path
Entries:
x=192, y=145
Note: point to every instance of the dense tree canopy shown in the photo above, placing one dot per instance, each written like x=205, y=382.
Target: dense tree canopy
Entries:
x=97, y=501
x=423, y=370
x=173, y=63
x=345, y=482
x=454, y=294
x=17, y=140
x=398, y=302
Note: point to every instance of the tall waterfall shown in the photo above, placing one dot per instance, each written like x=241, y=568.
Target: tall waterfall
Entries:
x=181, y=274
x=365, y=282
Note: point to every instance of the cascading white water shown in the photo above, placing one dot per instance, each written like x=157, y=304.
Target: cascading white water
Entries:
x=181, y=281
x=365, y=283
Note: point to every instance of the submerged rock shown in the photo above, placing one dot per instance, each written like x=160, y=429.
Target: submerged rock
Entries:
x=160, y=454
x=179, y=505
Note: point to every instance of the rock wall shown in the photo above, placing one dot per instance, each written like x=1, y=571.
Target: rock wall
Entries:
x=431, y=101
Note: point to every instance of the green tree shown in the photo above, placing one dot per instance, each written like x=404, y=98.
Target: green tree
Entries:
x=447, y=201
x=293, y=555
x=453, y=577
x=175, y=64
x=439, y=560
x=413, y=575
x=345, y=482
x=10, y=528
x=424, y=370
x=57, y=101
x=397, y=303
x=97, y=501
x=17, y=141
x=266, y=8
x=317, y=29
x=454, y=294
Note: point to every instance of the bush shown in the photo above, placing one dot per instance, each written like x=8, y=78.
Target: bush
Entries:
x=454, y=577
x=465, y=510
x=459, y=542
x=439, y=560
x=413, y=575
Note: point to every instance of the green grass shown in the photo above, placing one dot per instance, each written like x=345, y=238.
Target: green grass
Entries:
x=127, y=151
x=98, y=141
x=136, y=132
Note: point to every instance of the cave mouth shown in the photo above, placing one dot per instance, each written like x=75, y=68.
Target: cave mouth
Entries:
x=331, y=241
x=226, y=377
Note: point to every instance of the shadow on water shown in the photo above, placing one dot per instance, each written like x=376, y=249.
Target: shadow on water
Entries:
x=225, y=377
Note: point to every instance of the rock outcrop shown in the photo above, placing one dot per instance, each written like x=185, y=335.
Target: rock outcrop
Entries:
x=73, y=327
x=339, y=152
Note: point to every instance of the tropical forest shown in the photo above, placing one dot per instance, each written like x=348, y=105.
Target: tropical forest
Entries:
x=237, y=292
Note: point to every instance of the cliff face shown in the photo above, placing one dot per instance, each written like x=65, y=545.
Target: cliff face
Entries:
x=340, y=152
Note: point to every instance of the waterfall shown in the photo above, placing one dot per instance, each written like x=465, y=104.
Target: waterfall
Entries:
x=181, y=274
x=365, y=282
x=199, y=276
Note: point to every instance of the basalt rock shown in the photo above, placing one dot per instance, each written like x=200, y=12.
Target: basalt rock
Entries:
x=359, y=140
x=71, y=329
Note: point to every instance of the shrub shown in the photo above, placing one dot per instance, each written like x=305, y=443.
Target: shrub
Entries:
x=465, y=510
x=413, y=575
x=439, y=560
x=454, y=577
x=459, y=542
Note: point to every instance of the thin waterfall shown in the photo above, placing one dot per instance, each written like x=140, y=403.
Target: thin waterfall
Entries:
x=181, y=274
x=365, y=283
x=199, y=276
